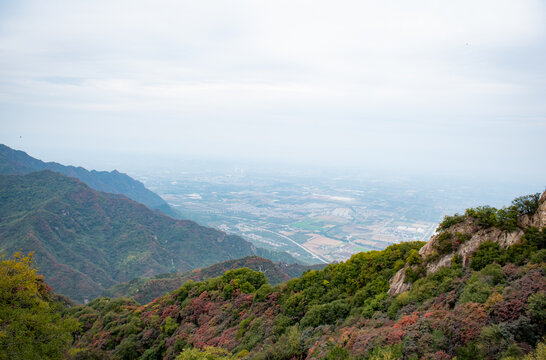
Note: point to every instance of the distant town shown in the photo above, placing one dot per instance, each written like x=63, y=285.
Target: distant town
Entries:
x=315, y=219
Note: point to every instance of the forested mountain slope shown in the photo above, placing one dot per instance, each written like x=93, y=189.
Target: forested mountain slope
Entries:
x=15, y=162
x=144, y=290
x=86, y=241
x=487, y=302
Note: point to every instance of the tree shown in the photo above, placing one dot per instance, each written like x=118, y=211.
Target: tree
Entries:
x=30, y=325
x=526, y=204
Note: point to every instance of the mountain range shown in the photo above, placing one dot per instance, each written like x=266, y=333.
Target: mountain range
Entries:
x=16, y=162
x=86, y=241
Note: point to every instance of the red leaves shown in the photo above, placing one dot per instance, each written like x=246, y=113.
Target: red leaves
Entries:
x=406, y=321
x=172, y=311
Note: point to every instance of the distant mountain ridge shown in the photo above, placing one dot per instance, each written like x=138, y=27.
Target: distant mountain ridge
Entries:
x=16, y=162
x=86, y=241
x=145, y=290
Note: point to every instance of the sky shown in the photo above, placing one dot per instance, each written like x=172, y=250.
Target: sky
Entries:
x=427, y=87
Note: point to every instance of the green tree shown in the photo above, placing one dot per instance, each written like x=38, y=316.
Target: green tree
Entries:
x=527, y=204
x=30, y=325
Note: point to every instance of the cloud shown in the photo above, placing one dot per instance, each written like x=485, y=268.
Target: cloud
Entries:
x=314, y=79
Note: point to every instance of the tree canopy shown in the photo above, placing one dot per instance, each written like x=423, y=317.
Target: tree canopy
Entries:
x=30, y=325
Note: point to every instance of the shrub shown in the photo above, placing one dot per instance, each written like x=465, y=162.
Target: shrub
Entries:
x=470, y=351
x=169, y=326
x=457, y=260
x=326, y=313
x=412, y=274
x=539, y=257
x=414, y=258
x=507, y=219
x=449, y=221
x=338, y=353
x=493, y=274
x=487, y=253
x=493, y=341
x=262, y=293
x=476, y=290
x=289, y=346
x=485, y=215
x=444, y=245
x=390, y=352
x=244, y=279
x=207, y=353
x=537, y=308
x=126, y=350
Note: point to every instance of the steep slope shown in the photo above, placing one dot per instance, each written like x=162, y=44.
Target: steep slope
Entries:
x=493, y=306
x=15, y=162
x=144, y=290
x=86, y=241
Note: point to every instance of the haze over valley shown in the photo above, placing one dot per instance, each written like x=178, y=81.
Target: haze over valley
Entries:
x=318, y=216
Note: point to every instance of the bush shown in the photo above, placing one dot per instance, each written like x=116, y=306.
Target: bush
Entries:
x=391, y=352
x=262, y=293
x=338, y=353
x=169, y=326
x=487, y=253
x=444, y=245
x=539, y=257
x=470, y=351
x=126, y=350
x=325, y=314
x=207, y=353
x=289, y=346
x=476, y=290
x=485, y=215
x=493, y=341
x=412, y=274
x=537, y=308
x=449, y=221
x=493, y=274
x=244, y=279
x=414, y=258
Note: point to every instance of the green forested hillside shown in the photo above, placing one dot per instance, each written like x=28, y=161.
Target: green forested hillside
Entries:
x=144, y=290
x=14, y=162
x=481, y=305
x=86, y=241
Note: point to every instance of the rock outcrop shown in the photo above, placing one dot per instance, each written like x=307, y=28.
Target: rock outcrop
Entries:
x=477, y=235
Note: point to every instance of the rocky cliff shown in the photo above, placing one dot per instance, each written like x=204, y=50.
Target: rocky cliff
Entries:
x=469, y=234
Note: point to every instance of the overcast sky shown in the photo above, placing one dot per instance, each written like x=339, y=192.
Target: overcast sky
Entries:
x=423, y=86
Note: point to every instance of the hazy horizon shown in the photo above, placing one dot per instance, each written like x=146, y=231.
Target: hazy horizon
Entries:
x=397, y=89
